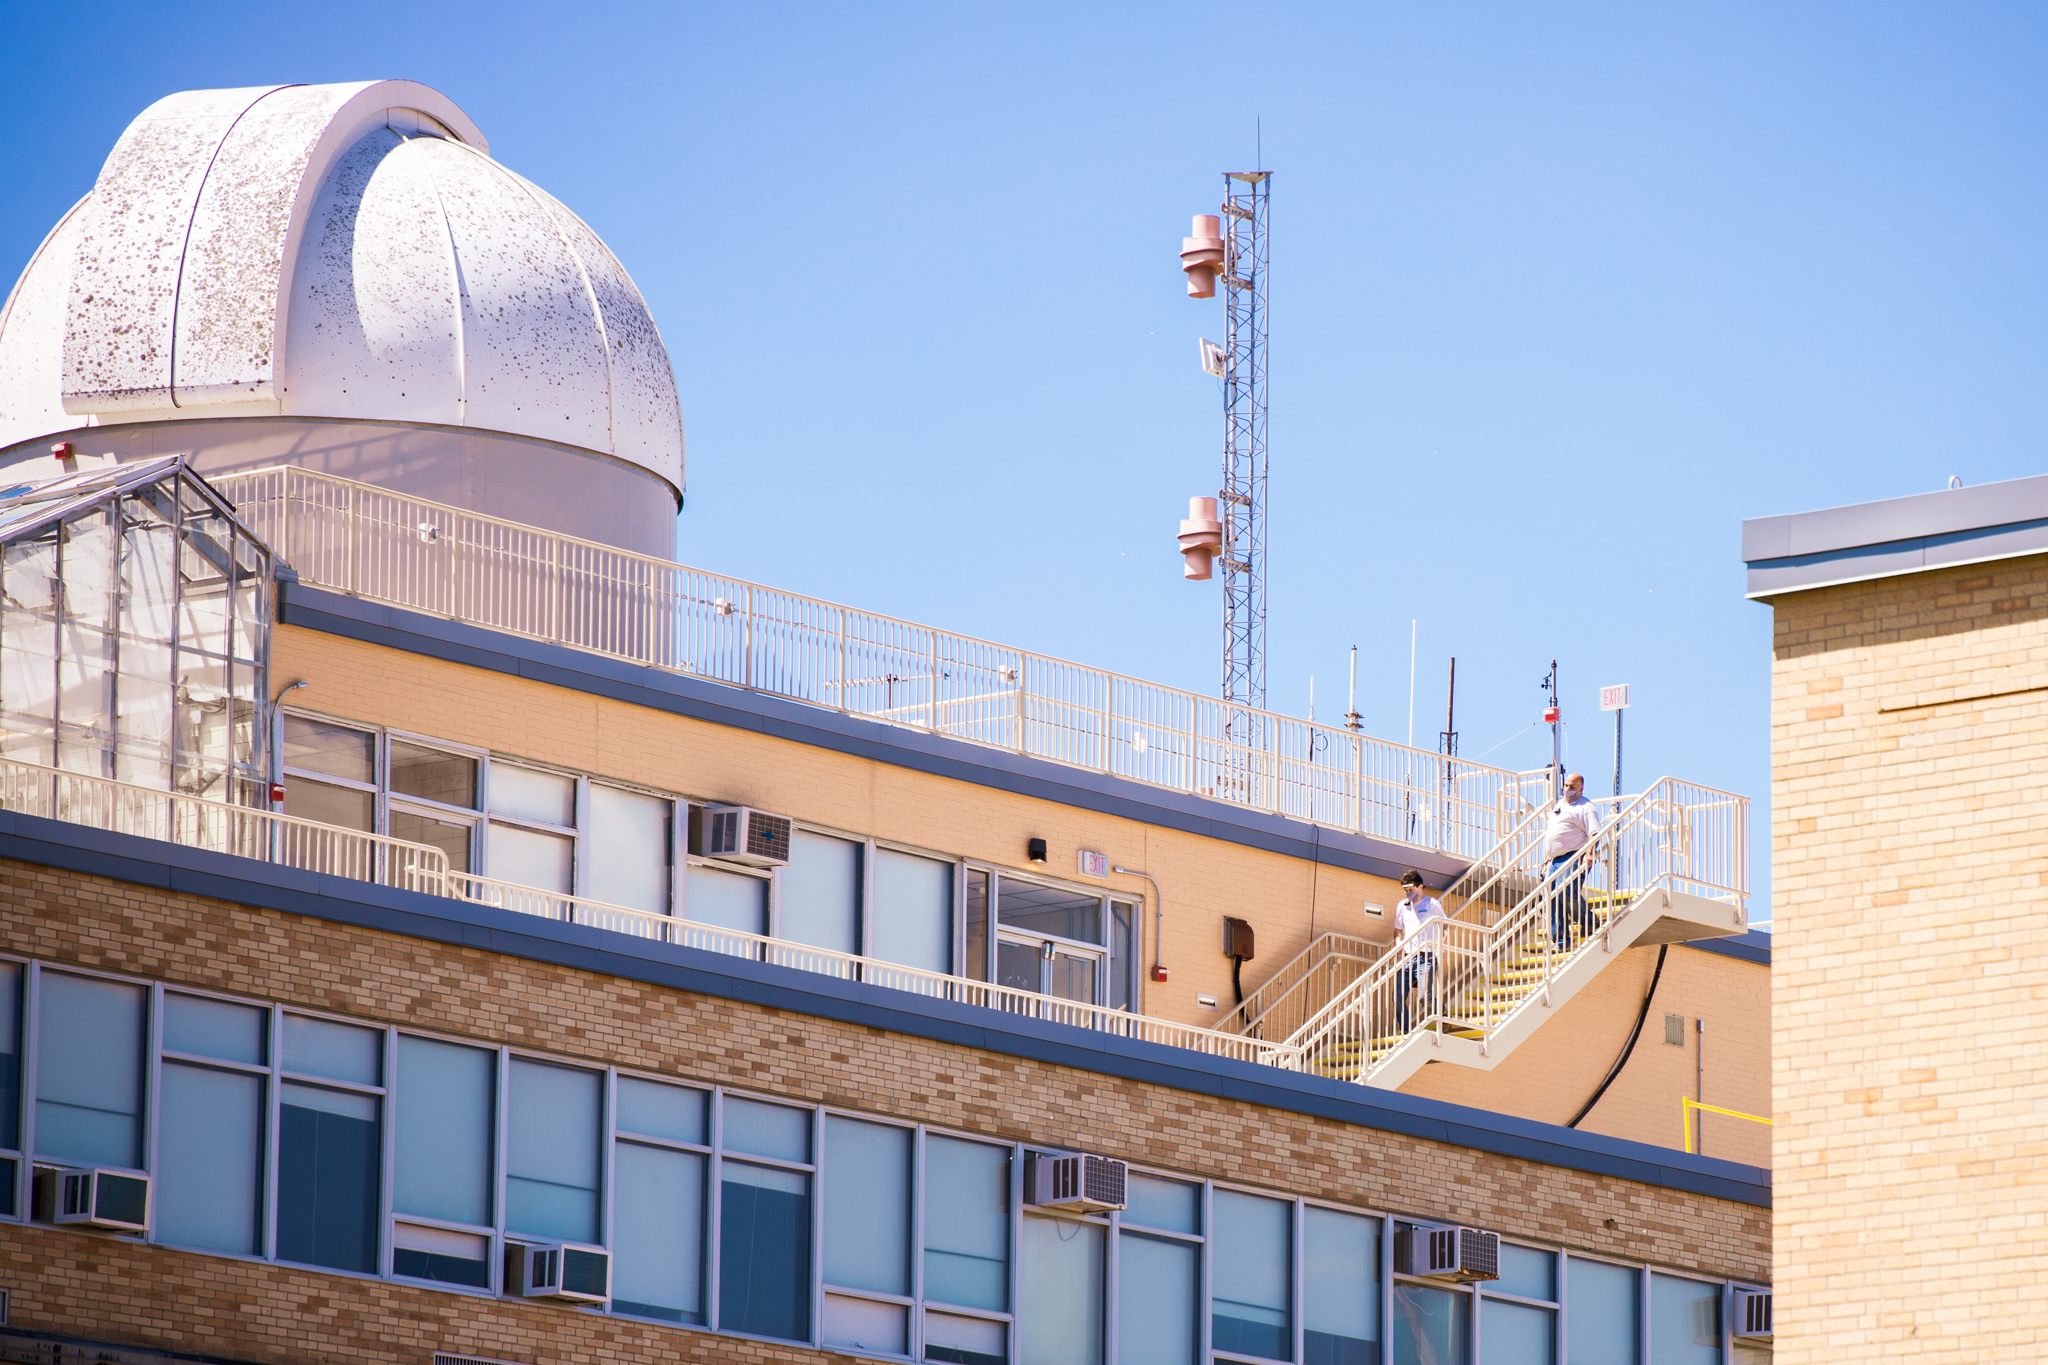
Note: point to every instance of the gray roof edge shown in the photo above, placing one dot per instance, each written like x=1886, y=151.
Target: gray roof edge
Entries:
x=1943, y=512
x=1864, y=563
x=135, y=860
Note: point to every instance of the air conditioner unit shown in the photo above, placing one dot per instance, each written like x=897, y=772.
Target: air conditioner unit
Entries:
x=558, y=1270
x=1442, y=1252
x=1752, y=1314
x=1073, y=1182
x=740, y=834
x=88, y=1196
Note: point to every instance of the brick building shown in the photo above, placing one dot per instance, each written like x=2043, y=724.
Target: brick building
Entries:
x=1909, y=672
x=435, y=923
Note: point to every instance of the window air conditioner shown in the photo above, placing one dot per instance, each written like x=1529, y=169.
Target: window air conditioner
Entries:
x=740, y=834
x=555, y=1270
x=90, y=1197
x=1074, y=1183
x=1752, y=1314
x=1440, y=1251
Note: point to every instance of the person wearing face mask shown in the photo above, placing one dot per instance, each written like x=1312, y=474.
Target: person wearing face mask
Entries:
x=1573, y=823
x=1417, y=921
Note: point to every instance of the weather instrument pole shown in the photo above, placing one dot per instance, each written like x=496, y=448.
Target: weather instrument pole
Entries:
x=1230, y=248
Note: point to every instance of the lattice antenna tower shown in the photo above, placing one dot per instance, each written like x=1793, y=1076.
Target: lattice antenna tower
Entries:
x=1241, y=502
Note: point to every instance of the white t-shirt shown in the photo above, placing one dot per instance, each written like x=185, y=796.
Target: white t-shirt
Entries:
x=1418, y=925
x=1571, y=827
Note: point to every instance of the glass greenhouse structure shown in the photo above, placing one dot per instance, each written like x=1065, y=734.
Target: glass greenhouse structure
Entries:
x=134, y=631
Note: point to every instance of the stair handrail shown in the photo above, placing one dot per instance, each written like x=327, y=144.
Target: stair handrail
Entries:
x=1677, y=854
x=1456, y=940
x=1492, y=867
x=1289, y=976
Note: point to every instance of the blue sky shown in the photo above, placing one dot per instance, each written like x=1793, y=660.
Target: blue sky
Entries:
x=1560, y=296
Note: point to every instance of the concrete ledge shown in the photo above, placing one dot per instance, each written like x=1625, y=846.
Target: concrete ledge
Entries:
x=725, y=704
x=148, y=862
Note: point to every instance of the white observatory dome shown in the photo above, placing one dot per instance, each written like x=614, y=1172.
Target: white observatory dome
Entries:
x=339, y=276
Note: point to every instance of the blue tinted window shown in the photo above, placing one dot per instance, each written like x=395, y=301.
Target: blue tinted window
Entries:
x=867, y=1205
x=1169, y=1204
x=1527, y=1272
x=772, y=1130
x=1431, y=1326
x=1059, y=1320
x=1685, y=1322
x=10, y=1061
x=215, y=1028
x=551, y=1172
x=1604, y=1309
x=89, y=1071
x=1516, y=1334
x=446, y=1100
x=328, y=1159
x=658, y=1232
x=764, y=1251
x=674, y=1112
x=1157, y=1285
x=209, y=1159
x=340, y=1052
x=1341, y=1296
x=966, y=1223
x=1252, y=1268
x=441, y=1254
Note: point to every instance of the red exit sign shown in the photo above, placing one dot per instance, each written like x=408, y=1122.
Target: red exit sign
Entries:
x=1614, y=698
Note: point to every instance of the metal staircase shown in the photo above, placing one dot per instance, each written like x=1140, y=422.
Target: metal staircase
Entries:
x=1667, y=867
x=1294, y=994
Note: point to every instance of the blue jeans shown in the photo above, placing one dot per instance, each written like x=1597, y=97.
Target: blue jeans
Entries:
x=1569, y=917
x=1410, y=977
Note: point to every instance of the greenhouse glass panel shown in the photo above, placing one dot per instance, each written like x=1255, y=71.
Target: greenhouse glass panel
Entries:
x=134, y=630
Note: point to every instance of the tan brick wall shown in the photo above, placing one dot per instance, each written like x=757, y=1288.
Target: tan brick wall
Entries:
x=193, y=1302
x=1909, y=722
x=1556, y=1071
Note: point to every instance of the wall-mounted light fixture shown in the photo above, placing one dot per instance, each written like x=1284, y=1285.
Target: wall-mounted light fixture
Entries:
x=1035, y=850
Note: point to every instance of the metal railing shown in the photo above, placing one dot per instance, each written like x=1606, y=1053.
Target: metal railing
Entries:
x=198, y=822
x=1497, y=881
x=1688, y=1106
x=359, y=539
x=853, y=967
x=1676, y=835
x=1305, y=983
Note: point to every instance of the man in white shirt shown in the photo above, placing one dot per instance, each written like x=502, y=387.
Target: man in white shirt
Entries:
x=1573, y=822
x=1417, y=922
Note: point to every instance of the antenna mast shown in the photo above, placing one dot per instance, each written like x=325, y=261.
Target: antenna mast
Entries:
x=1241, y=502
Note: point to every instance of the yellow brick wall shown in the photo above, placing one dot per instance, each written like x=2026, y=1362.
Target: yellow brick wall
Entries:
x=1909, y=724
x=1286, y=899
x=73, y=1283
x=1555, y=1072
x=1202, y=879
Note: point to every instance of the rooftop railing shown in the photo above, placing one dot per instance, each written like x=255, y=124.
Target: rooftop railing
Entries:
x=428, y=557
x=195, y=822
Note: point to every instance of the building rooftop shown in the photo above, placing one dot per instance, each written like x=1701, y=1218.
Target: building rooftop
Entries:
x=1945, y=529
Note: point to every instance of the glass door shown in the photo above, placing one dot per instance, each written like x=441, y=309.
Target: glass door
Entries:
x=1050, y=941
